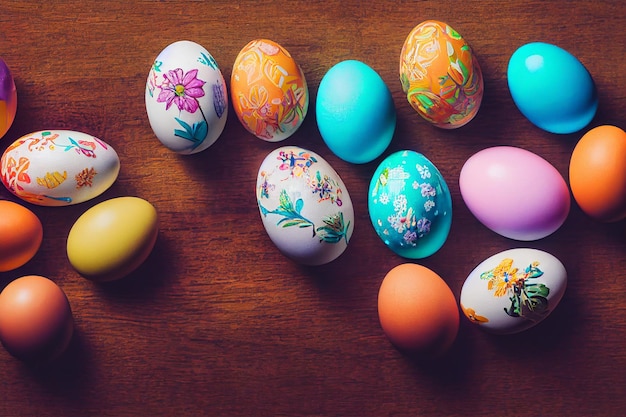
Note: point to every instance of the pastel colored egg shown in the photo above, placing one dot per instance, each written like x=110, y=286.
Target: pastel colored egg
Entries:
x=269, y=91
x=355, y=112
x=513, y=290
x=440, y=75
x=186, y=98
x=410, y=205
x=597, y=173
x=112, y=238
x=305, y=206
x=568, y=97
x=417, y=310
x=58, y=167
x=8, y=98
x=515, y=192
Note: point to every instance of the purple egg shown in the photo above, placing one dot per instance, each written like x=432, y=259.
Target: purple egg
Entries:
x=515, y=192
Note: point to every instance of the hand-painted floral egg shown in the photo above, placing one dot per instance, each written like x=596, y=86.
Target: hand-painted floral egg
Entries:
x=8, y=98
x=410, y=205
x=513, y=290
x=569, y=99
x=58, y=167
x=268, y=90
x=440, y=75
x=305, y=206
x=186, y=98
x=514, y=192
x=355, y=112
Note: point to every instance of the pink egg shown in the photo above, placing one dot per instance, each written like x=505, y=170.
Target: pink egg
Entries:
x=515, y=192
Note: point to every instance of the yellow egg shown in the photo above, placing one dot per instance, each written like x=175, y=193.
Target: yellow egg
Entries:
x=113, y=238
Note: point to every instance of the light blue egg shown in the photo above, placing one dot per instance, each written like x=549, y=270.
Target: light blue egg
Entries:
x=410, y=205
x=355, y=112
x=552, y=88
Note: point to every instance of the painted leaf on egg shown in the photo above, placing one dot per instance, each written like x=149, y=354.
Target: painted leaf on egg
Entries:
x=291, y=214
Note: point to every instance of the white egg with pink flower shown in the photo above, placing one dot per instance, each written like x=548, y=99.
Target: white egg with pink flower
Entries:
x=186, y=98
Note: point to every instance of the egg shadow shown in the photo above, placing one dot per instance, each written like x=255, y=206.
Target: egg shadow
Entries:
x=151, y=277
x=70, y=374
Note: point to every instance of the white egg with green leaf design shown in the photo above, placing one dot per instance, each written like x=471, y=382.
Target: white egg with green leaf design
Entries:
x=304, y=205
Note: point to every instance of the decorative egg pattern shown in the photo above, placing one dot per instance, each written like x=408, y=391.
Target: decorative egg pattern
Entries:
x=513, y=290
x=305, y=206
x=410, y=205
x=440, y=75
x=186, y=98
x=58, y=167
x=269, y=91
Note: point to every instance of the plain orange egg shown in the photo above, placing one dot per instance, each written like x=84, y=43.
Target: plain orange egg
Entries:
x=35, y=318
x=597, y=173
x=417, y=310
x=21, y=234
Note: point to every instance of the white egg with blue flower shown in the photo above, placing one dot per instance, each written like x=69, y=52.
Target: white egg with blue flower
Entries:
x=186, y=98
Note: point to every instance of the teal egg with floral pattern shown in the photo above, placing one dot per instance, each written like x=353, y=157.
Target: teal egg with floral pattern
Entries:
x=410, y=205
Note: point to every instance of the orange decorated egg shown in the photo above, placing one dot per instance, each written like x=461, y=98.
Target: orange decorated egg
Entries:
x=440, y=75
x=268, y=90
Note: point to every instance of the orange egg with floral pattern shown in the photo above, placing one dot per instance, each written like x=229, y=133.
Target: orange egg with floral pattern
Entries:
x=268, y=91
x=440, y=75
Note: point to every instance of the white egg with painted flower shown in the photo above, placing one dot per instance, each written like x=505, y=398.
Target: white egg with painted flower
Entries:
x=305, y=206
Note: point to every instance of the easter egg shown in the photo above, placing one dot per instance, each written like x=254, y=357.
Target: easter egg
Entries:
x=186, y=98
x=355, y=112
x=410, y=205
x=21, y=234
x=8, y=98
x=597, y=173
x=268, y=90
x=514, y=192
x=513, y=290
x=58, y=167
x=552, y=88
x=112, y=238
x=440, y=75
x=36, y=322
x=305, y=206
x=417, y=310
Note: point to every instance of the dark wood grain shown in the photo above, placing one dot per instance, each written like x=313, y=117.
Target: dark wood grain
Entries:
x=217, y=322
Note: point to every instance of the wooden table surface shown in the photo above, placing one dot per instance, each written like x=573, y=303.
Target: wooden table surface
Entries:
x=217, y=322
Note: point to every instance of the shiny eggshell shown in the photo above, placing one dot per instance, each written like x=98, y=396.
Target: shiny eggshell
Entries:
x=305, y=206
x=58, y=167
x=552, y=88
x=515, y=192
x=112, y=238
x=36, y=322
x=597, y=173
x=21, y=234
x=355, y=112
x=440, y=75
x=513, y=290
x=410, y=205
x=186, y=98
x=269, y=91
x=8, y=98
x=417, y=310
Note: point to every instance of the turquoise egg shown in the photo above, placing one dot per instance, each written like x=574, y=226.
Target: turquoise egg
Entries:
x=355, y=112
x=410, y=205
x=552, y=88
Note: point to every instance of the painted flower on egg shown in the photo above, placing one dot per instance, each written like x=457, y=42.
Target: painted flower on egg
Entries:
x=181, y=89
